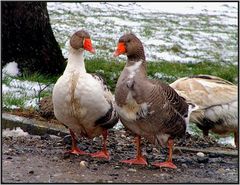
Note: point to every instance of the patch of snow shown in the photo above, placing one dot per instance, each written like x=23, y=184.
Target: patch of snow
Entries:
x=11, y=106
x=17, y=132
x=26, y=90
x=159, y=75
x=10, y=69
x=31, y=103
x=201, y=26
x=174, y=58
x=118, y=126
x=5, y=89
x=100, y=71
x=227, y=140
x=211, y=8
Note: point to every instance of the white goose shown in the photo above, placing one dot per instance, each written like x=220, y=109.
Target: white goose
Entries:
x=81, y=100
x=217, y=100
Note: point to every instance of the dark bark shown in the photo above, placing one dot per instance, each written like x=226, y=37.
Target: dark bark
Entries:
x=27, y=38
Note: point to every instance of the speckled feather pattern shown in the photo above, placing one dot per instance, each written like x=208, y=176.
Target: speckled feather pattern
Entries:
x=148, y=108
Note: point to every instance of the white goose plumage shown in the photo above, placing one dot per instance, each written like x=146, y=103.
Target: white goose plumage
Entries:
x=81, y=100
x=217, y=101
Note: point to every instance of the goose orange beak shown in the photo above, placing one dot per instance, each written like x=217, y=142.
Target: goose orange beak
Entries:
x=121, y=49
x=88, y=45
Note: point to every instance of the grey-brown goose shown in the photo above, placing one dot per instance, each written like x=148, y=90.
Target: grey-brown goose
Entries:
x=217, y=101
x=148, y=108
x=81, y=100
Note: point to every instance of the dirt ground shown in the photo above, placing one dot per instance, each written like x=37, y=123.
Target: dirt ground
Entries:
x=42, y=159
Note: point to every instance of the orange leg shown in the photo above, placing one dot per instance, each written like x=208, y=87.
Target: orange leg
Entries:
x=75, y=149
x=168, y=163
x=139, y=158
x=103, y=153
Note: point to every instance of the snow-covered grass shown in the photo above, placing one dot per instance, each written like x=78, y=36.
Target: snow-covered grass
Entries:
x=201, y=31
x=23, y=94
x=18, y=92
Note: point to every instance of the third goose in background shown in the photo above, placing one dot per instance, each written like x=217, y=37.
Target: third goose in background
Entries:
x=217, y=101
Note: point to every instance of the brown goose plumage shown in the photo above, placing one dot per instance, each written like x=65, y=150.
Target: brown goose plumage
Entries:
x=148, y=108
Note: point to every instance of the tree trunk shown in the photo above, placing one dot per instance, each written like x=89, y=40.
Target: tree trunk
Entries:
x=27, y=38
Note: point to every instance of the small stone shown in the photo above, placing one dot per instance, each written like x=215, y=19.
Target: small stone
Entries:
x=221, y=170
x=155, y=150
x=117, y=167
x=164, y=175
x=200, y=154
x=156, y=175
x=9, y=152
x=67, y=140
x=68, y=147
x=113, y=174
x=84, y=147
x=66, y=155
x=59, y=144
x=177, y=151
x=119, y=148
x=45, y=137
x=40, y=145
x=132, y=170
x=202, y=159
x=213, y=155
x=9, y=157
x=7, y=162
x=83, y=164
x=31, y=172
x=149, y=150
x=214, y=160
x=184, y=165
x=55, y=158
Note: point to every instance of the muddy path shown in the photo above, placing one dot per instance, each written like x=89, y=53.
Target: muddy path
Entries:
x=41, y=159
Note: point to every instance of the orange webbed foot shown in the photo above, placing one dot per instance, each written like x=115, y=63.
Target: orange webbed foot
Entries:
x=166, y=164
x=101, y=154
x=76, y=151
x=139, y=160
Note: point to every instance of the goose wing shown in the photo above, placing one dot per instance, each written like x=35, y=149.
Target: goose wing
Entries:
x=206, y=91
x=110, y=118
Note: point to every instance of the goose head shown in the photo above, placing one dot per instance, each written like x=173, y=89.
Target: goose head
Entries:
x=81, y=40
x=130, y=45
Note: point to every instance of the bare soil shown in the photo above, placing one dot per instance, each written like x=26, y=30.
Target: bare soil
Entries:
x=42, y=159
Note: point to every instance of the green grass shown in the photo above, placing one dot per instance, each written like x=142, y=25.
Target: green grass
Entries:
x=193, y=127
x=11, y=100
x=110, y=70
x=37, y=77
x=6, y=80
